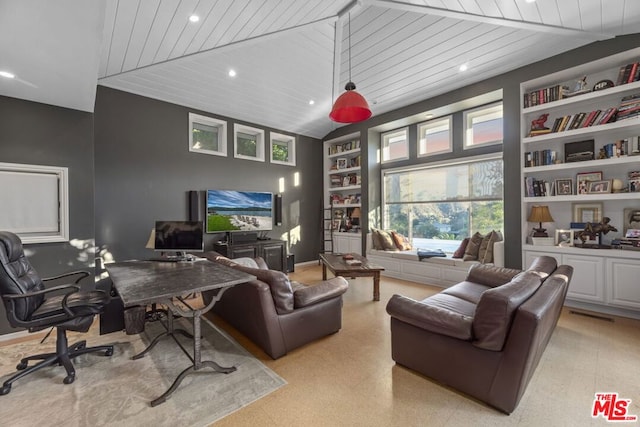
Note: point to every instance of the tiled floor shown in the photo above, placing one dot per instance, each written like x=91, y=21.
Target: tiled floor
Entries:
x=349, y=378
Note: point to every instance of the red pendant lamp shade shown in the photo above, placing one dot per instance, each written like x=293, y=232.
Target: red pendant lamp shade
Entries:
x=350, y=107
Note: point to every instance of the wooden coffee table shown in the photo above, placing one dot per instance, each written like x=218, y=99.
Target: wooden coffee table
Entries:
x=338, y=266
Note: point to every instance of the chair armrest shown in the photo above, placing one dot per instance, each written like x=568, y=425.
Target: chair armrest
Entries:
x=68, y=291
x=81, y=273
x=430, y=317
x=313, y=294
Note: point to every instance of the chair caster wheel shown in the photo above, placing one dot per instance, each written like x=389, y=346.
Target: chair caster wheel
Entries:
x=69, y=379
x=109, y=352
x=22, y=365
x=5, y=389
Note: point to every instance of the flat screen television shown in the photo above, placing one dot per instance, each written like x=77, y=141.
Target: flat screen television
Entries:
x=179, y=236
x=230, y=210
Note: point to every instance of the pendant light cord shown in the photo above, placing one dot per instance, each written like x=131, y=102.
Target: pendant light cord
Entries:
x=349, y=46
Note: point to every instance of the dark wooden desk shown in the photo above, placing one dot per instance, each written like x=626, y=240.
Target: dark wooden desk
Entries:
x=338, y=266
x=148, y=282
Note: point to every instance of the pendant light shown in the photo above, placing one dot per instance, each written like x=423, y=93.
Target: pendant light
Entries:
x=350, y=107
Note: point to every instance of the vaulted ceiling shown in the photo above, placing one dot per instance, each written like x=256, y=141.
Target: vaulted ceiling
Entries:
x=285, y=53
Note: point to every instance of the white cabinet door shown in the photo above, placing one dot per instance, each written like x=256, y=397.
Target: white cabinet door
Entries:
x=587, y=282
x=623, y=275
x=345, y=243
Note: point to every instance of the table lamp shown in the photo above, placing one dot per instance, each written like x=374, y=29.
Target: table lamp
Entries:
x=151, y=243
x=355, y=216
x=540, y=214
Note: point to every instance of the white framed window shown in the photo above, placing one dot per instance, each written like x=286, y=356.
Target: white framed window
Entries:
x=435, y=137
x=395, y=145
x=483, y=126
x=35, y=202
x=440, y=204
x=207, y=135
x=282, y=148
x=248, y=143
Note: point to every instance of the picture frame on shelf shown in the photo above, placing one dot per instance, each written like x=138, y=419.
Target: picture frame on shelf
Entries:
x=631, y=220
x=599, y=187
x=564, y=237
x=587, y=212
x=564, y=187
x=342, y=163
x=346, y=181
x=583, y=178
x=634, y=185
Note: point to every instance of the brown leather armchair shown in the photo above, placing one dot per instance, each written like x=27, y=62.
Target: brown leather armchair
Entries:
x=485, y=335
x=275, y=313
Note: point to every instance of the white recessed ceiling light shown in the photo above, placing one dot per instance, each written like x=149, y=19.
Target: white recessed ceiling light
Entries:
x=311, y=102
x=530, y=1
x=7, y=75
x=194, y=18
x=428, y=116
x=464, y=67
x=232, y=73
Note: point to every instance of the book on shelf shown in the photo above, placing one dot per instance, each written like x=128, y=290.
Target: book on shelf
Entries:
x=536, y=132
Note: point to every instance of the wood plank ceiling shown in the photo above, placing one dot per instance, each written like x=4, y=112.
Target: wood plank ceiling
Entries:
x=284, y=53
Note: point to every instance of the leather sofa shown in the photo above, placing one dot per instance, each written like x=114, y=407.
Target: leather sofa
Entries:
x=485, y=335
x=275, y=313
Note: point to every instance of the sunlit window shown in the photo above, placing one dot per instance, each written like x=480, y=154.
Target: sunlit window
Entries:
x=438, y=206
x=434, y=137
x=207, y=135
x=395, y=145
x=483, y=126
x=248, y=143
x=283, y=149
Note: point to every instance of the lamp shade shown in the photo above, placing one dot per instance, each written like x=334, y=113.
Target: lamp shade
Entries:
x=356, y=213
x=350, y=107
x=151, y=243
x=540, y=214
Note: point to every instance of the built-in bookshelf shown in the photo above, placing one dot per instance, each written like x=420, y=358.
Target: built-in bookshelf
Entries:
x=343, y=194
x=580, y=158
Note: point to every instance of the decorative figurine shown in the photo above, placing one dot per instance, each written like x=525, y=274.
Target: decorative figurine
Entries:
x=580, y=84
x=593, y=228
x=538, y=124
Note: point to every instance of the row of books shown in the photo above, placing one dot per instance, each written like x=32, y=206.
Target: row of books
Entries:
x=542, y=96
x=584, y=119
x=539, y=158
x=629, y=107
x=537, y=187
x=628, y=73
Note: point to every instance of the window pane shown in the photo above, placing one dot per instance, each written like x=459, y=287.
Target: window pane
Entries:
x=247, y=144
x=280, y=151
x=437, y=207
x=484, y=126
x=434, y=137
x=395, y=145
x=205, y=137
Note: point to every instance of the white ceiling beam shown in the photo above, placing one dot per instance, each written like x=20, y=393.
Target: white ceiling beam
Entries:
x=522, y=25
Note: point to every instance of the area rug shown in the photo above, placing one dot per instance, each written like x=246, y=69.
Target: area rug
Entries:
x=117, y=390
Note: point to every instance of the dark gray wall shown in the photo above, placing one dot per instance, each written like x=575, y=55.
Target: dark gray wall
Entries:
x=510, y=84
x=144, y=171
x=39, y=134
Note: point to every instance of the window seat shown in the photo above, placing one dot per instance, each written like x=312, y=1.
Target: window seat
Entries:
x=439, y=271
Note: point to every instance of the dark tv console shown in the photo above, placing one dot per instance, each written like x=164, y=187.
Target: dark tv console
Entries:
x=272, y=251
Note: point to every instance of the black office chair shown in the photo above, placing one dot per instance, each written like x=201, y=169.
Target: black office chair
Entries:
x=30, y=305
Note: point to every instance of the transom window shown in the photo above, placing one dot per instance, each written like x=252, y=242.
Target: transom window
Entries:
x=249, y=143
x=434, y=137
x=438, y=206
x=395, y=145
x=207, y=135
x=483, y=126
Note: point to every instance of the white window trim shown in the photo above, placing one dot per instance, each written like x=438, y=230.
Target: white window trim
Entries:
x=259, y=133
x=467, y=126
x=37, y=235
x=209, y=121
x=291, y=140
x=395, y=131
x=433, y=123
